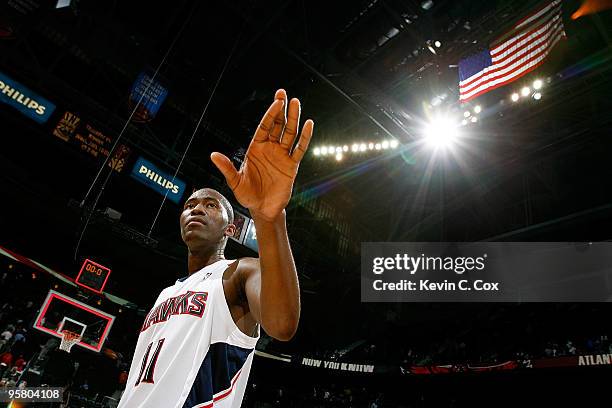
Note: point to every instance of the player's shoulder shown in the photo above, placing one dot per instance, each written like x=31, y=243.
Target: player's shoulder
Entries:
x=248, y=265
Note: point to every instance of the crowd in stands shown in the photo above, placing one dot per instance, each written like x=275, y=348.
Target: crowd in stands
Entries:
x=21, y=346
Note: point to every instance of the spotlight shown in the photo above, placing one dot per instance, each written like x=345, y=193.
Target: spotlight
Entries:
x=355, y=148
x=430, y=48
x=537, y=84
x=427, y=4
x=441, y=133
x=394, y=144
x=477, y=109
x=338, y=156
x=338, y=149
x=371, y=146
x=345, y=148
x=385, y=144
x=317, y=151
x=438, y=44
x=525, y=91
x=377, y=146
x=474, y=119
x=537, y=96
x=464, y=122
x=466, y=114
x=514, y=97
x=362, y=147
x=331, y=149
x=323, y=151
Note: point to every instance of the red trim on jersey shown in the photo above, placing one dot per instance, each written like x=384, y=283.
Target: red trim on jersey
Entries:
x=222, y=395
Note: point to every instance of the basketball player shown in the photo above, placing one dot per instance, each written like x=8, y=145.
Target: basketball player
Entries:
x=197, y=343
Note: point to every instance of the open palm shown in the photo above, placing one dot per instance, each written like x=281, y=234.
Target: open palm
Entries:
x=265, y=180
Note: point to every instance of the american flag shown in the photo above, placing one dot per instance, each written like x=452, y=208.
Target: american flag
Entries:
x=519, y=51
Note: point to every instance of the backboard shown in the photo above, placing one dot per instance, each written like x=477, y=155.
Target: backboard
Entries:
x=60, y=312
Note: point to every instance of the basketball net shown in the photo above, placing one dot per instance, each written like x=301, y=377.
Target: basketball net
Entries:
x=69, y=339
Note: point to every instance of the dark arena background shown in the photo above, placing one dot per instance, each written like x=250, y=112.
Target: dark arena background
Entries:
x=121, y=103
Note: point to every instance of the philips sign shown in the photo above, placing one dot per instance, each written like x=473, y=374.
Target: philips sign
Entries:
x=24, y=100
x=148, y=174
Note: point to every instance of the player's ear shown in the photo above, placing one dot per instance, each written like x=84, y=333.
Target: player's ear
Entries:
x=230, y=230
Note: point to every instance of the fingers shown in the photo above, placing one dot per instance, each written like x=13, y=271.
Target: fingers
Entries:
x=302, y=146
x=267, y=122
x=226, y=167
x=280, y=118
x=293, y=121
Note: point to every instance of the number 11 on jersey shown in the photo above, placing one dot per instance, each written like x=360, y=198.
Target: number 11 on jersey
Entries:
x=147, y=370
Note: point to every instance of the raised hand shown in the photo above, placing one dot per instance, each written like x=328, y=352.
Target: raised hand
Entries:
x=265, y=180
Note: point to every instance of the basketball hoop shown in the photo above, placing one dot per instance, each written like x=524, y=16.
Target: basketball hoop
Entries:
x=69, y=339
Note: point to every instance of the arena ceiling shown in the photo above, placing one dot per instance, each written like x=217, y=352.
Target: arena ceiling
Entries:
x=363, y=71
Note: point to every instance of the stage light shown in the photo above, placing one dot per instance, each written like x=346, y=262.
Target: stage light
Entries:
x=466, y=114
x=438, y=44
x=477, y=109
x=317, y=151
x=331, y=149
x=537, y=84
x=371, y=146
x=385, y=144
x=464, y=122
x=394, y=144
x=537, y=96
x=427, y=4
x=441, y=133
x=323, y=150
x=338, y=156
x=525, y=91
x=515, y=97
x=377, y=146
x=338, y=149
x=474, y=119
x=430, y=48
x=362, y=147
x=345, y=148
x=355, y=148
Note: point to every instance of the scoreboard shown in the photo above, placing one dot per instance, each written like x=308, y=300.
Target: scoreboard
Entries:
x=93, y=276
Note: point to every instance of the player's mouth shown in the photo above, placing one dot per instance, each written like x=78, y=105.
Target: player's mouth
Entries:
x=194, y=221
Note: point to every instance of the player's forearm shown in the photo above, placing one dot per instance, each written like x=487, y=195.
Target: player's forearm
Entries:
x=280, y=293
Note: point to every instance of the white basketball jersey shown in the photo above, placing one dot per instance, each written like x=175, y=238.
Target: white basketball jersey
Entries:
x=190, y=353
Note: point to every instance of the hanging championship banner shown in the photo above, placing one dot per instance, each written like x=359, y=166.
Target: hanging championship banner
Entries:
x=149, y=94
x=90, y=140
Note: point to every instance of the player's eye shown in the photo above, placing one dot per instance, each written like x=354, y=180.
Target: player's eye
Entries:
x=213, y=205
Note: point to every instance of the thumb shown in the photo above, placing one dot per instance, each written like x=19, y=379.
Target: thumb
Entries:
x=226, y=167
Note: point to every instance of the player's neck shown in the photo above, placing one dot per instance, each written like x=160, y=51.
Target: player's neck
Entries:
x=199, y=258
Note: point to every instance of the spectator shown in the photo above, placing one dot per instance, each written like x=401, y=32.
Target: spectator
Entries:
x=20, y=363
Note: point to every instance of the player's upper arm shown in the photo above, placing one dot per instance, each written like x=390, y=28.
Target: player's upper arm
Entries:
x=250, y=277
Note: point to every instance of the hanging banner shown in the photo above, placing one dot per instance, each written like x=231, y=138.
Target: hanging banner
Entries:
x=151, y=95
x=148, y=174
x=24, y=100
x=241, y=222
x=90, y=140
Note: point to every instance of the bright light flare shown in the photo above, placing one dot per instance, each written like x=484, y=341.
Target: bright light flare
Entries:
x=441, y=133
x=477, y=109
x=515, y=97
x=537, y=84
x=525, y=91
